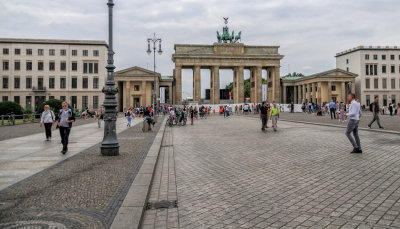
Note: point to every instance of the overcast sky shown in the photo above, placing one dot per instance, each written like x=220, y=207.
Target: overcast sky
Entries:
x=309, y=32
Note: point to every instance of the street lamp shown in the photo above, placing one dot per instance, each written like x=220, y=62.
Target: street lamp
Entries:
x=109, y=145
x=154, y=40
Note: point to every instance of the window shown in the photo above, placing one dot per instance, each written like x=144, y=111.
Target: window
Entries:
x=28, y=83
x=367, y=56
x=5, y=51
x=368, y=100
x=40, y=52
x=393, y=83
x=384, y=100
x=16, y=99
x=347, y=68
x=394, y=99
x=85, y=52
x=63, y=66
x=85, y=101
x=367, y=70
x=392, y=57
x=333, y=87
x=63, y=98
x=5, y=65
x=74, y=83
x=74, y=66
x=52, y=82
x=16, y=82
x=384, y=83
x=52, y=52
x=95, y=83
x=95, y=52
x=63, y=52
x=383, y=57
x=17, y=65
x=74, y=52
x=383, y=68
x=5, y=98
x=74, y=101
x=40, y=66
x=367, y=83
x=28, y=101
x=63, y=84
x=376, y=83
x=375, y=69
x=17, y=51
x=85, y=67
x=5, y=82
x=392, y=69
x=375, y=57
x=90, y=68
x=29, y=65
x=347, y=61
x=52, y=66
x=51, y=97
x=95, y=102
x=136, y=88
x=96, y=68
x=85, y=82
x=28, y=51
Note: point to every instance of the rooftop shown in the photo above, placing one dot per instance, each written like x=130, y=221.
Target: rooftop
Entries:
x=361, y=47
x=52, y=41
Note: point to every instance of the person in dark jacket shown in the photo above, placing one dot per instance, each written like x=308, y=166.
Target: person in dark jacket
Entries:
x=65, y=118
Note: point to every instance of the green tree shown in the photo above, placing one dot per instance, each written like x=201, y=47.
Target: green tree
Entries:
x=294, y=74
x=247, y=87
x=10, y=107
x=55, y=105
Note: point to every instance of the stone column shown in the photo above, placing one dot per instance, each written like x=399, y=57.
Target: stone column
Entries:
x=238, y=93
x=330, y=91
x=157, y=90
x=170, y=94
x=353, y=87
x=277, y=85
x=196, y=84
x=343, y=99
x=309, y=86
x=258, y=83
x=295, y=94
x=319, y=93
x=178, y=84
x=314, y=93
x=214, y=87
x=127, y=94
x=304, y=94
x=252, y=85
x=284, y=88
x=144, y=84
x=298, y=94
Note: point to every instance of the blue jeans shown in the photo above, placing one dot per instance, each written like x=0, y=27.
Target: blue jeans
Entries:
x=129, y=120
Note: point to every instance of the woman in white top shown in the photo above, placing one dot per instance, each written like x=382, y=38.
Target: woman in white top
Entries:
x=48, y=119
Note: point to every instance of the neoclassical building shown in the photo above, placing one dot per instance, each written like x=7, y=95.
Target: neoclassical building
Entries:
x=135, y=86
x=321, y=87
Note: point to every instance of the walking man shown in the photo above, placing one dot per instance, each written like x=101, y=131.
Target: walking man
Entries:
x=65, y=119
x=375, y=113
x=332, y=109
x=352, y=126
x=273, y=115
x=264, y=115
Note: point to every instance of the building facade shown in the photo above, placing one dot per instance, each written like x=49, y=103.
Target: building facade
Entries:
x=318, y=88
x=36, y=70
x=135, y=86
x=378, y=70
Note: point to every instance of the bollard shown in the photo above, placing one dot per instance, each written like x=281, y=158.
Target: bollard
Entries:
x=13, y=119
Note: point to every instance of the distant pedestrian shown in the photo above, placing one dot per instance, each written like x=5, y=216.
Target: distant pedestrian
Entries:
x=264, y=109
x=99, y=117
x=47, y=119
x=65, y=119
x=274, y=112
x=191, y=111
x=353, y=114
x=375, y=113
x=332, y=106
x=128, y=116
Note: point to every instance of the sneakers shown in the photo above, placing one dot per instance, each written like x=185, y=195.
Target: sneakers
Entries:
x=381, y=127
x=369, y=126
x=64, y=151
x=262, y=129
x=356, y=150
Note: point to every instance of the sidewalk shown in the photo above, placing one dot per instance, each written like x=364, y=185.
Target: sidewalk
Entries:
x=23, y=157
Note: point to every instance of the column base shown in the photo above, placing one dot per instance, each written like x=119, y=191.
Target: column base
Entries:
x=110, y=150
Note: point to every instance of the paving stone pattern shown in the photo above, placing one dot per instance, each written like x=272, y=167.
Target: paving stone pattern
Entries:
x=231, y=175
x=84, y=191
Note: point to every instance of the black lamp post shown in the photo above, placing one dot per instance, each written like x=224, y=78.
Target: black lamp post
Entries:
x=110, y=146
x=154, y=40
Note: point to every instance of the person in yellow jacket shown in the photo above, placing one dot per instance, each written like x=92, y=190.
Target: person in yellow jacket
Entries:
x=273, y=115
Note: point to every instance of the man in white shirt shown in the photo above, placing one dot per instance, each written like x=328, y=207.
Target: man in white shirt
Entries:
x=353, y=114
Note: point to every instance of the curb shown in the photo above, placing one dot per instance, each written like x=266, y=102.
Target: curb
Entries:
x=130, y=214
x=331, y=125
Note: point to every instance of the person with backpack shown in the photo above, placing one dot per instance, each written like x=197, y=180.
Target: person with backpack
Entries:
x=65, y=118
x=47, y=119
x=374, y=107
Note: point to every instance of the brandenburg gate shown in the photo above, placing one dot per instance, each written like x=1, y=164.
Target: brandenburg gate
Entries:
x=224, y=55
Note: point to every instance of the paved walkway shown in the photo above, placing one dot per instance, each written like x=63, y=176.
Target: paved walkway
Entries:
x=228, y=174
x=25, y=156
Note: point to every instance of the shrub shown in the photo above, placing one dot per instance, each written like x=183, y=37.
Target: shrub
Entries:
x=10, y=107
x=55, y=105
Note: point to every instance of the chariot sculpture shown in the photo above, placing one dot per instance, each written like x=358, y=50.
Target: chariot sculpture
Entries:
x=225, y=36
